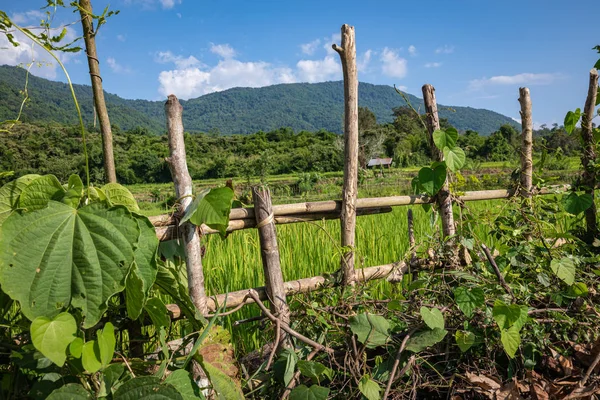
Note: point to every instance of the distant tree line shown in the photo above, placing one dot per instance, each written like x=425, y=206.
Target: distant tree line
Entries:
x=139, y=155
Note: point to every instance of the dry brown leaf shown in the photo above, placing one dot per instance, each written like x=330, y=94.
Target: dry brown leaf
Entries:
x=538, y=392
x=579, y=393
x=484, y=382
x=510, y=391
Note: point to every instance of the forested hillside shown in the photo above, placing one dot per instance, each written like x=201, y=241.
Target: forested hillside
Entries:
x=301, y=106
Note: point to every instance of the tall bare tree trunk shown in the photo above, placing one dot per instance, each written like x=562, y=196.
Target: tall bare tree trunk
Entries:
x=350, y=191
x=589, y=154
x=526, y=142
x=444, y=200
x=94, y=64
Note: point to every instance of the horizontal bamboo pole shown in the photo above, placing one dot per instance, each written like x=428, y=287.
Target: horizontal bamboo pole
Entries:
x=170, y=232
x=243, y=218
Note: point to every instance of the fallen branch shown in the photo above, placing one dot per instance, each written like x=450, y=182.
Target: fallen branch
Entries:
x=497, y=271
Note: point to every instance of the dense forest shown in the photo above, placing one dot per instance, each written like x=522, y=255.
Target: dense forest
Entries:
x=300, y=106
x=57, y=149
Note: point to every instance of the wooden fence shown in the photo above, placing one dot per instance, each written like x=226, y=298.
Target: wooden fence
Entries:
x=264, y=216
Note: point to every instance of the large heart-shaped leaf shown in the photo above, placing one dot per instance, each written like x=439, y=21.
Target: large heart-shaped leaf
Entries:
x=464, y=340
x=145, y=252
x=158, y=312
x=106, y=343
x=432, y=180
x=571, y=120
x=119, y=195
x=445, y=138
x=71, y=391
x=455, y=158
x=58, y=256
x=424, y=339
x=511, y=340
x=211, y=207
x=576, y=204
x=40, y=191
x=147, y=388
x=135, y=298
x=9, y=195
x=74, y=191
x=564, y=269
x=314, y=392
x=468, y=299
x=369, y=388
x=507, y=316
x=185, y=385
x=90, y=356
x=433, y=317
x=52, y=336
x=370, y=329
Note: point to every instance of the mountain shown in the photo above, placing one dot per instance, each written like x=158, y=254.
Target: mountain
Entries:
x=301, y=106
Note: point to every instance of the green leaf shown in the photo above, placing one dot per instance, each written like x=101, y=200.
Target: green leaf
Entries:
x=285, y=366
x=120, y=195
x=211, y=207
x=52, y=336
x=106, y=343
x=433, y=317
x=564, y=269
x=571, y=120
x=432, y=180
x=507, y=316
x=369, y=388
x=511, y=340
x=464, y=340
x=578, y=289
x=111, y=375
x=58, y=256
x=135, y=297
x=225, y=387
x=74, y=191
x=90, y=357
x=185, y=385
x=158, y=312
x=370, y=329
x=314, y=370
x=39, y=192
x=9, y=195
x=455, y=158
x=445, y=138
x=314, y=392
x=71, y=391
x=76, y=347
x=576, y=204
x=147, y=388
x=468, y=299
x=424, y=339
x=145, y=252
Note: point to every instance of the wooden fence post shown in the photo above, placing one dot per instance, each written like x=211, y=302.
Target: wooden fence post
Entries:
x=183, y=191
x=347, y=53
x=588, y=155
x=269, y=251
x=526, y=143
x=444, y=200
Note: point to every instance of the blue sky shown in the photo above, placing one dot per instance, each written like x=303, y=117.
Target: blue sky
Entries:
x=475, y=53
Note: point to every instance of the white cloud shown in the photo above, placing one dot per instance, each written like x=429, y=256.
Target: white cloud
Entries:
x=444, y=50
x=319, y=70
x=363, y=61
x=27, y=53
x=223, y=50
x=519, y=79
x=309, y=48
x=121, y=38
x=27, y=17
x=412, y=50
x=151, y=4
x=164, y=57
x=402, y=88
x=196, y=80
x=167, y=4
x=433, y=65
x=116, y=67
x=392, y=64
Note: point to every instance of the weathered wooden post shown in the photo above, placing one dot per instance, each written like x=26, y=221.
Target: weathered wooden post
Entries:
x=588, y=155
x=347, y=53
x=526, y=180
x=444, y=199
x=183, y=191
x=269, y=251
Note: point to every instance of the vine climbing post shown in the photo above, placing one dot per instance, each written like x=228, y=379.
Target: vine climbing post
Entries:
x=444, y=199
x=269, y=251
x=588, y=155
x=89, y=36
x=183, y=191
x=347, y=53
x=526, y=143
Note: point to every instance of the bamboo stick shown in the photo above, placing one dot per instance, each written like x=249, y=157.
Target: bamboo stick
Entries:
x=183, y=190
x=526, y=142
x=347, y=53
x=588, y=155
